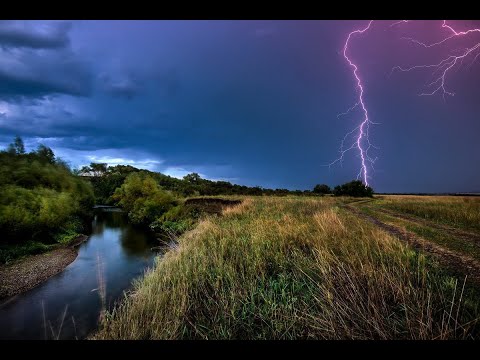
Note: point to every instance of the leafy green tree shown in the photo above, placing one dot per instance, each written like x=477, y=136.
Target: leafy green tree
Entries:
x=98, y=169
x=17, y=147
x=85, y=170
x=192, y=178
x=143, y=199
x=122, y=169
x=45, y=154
x=322, y=189
x=40, y=198
x=104, y=186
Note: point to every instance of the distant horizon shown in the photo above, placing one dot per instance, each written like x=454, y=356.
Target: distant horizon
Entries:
x=78, y=167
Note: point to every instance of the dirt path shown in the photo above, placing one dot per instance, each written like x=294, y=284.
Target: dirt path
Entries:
x=25, y=274
x=459, y=263
x=456, y=233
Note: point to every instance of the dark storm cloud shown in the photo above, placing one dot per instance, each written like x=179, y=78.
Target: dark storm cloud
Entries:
x=124, y=87
x=45, y=79
x=22, y=34
x=31, y=123
x=38, y=127
x=35, y=61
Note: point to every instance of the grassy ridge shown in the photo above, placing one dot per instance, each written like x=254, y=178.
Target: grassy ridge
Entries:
x=283, y=268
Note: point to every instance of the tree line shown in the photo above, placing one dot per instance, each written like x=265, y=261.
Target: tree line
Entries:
x=105, y=179
x=355, y=188
x=42, y=202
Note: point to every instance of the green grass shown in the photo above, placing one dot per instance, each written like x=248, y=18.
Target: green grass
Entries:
x=437, y=236
x=8, y=253
x=456, y=211
x=67, y=233
x=293, y=268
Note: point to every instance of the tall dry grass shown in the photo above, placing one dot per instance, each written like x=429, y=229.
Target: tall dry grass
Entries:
x=289, y=268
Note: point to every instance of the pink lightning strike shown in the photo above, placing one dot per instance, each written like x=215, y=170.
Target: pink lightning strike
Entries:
x=445, y=65
x=441, y=68
x=363, y=127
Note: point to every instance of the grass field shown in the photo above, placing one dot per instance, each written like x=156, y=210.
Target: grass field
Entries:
x=457, y=211
x=302, y=267
x=451, y=222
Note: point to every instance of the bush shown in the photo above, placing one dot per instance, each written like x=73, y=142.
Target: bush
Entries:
x=41, y=201
x=322, y=189
x=172, y=227
x=9, y=253
x=176, y=221
x=143, y=199
x=354, y=188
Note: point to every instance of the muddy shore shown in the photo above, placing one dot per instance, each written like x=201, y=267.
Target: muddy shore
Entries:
x=24, y=274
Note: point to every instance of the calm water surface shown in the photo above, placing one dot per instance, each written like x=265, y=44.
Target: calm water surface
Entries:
x=68, y=305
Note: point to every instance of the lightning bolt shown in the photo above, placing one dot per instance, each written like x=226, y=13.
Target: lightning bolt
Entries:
x=359, y=135
x=361, y=131
x=442, y=68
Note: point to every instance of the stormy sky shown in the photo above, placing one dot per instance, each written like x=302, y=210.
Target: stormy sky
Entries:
x=251, y=102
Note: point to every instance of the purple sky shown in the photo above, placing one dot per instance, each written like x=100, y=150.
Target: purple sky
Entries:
x=252, y=102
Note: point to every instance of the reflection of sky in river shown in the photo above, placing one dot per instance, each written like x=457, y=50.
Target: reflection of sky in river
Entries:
x=124, y=253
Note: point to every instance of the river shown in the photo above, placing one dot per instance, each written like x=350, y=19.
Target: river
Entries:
x=68, y=305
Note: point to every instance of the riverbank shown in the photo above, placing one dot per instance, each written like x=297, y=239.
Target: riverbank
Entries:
x=26, y=273
x=294, y=268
